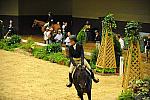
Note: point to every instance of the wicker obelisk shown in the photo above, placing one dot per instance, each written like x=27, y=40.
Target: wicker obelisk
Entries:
x=133, y=65
x=106, y=56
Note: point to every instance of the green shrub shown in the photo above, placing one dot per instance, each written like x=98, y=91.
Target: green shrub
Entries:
x=15, y=39
x=2, y=44
x=127, y=95
x=147, y=79
x=39, y=53
x=8, y=48
x=141, y=89
x=94, y=58
x=81, y=37
x=10, y=43
x=105, y=70
x=109, y=20
x=58, y=58
x=46, y=57
x=53, y=48
x=132, y=31
x=29, y=46
x=126, y=42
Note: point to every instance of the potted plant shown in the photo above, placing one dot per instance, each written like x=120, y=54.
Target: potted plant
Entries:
x=132, y=31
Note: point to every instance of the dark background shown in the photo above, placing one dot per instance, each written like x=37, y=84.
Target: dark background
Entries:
x=75, y=12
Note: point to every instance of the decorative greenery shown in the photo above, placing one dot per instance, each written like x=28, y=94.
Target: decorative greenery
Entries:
x=29, y=46
x=126, y=42
x=127, y=95
x=141, y=89
x=118, y=53
x=132, y=31
x=108, y=24
x=53, y=48
x=39, y=53
x=81, y=37
x=137, y=90
x=105, y=70
x=10, y=43
x=94, y=58
x=14, y=39
x=52, y=52
x=58, y=58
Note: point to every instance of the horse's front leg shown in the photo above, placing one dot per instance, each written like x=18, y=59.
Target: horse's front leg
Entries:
x=80, y=94
x=89, y=94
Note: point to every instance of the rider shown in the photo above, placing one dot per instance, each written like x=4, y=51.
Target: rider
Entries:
x=76, y=54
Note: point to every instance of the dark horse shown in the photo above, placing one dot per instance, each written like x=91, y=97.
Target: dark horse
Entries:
x=82, y=81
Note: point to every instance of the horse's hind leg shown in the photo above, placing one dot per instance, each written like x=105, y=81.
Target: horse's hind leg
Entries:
x=89, y=95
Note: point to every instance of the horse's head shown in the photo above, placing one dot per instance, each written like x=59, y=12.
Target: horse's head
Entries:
x=82, y=81
x=82, y=76
x=34, y=23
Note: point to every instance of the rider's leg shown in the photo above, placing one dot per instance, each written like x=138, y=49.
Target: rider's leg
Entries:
x=71, y=69
x=92, y=74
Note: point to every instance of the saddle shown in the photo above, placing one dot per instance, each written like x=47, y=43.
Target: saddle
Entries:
x=81, y=68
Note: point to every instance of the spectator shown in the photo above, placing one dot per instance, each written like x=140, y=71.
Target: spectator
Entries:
x=58, y=37
x=97, y=39
x=50, y=18
x=64, y=26
x=121, y=42
x=67, y=42
x=145, y=43
x=50, y=36
x=87, y=30
x=1, y=29
x=46, y=34
x=64, y=29
x=147, y=47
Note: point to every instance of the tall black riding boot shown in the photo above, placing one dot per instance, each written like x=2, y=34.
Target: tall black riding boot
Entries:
x=94, y=79
x=70, y=80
